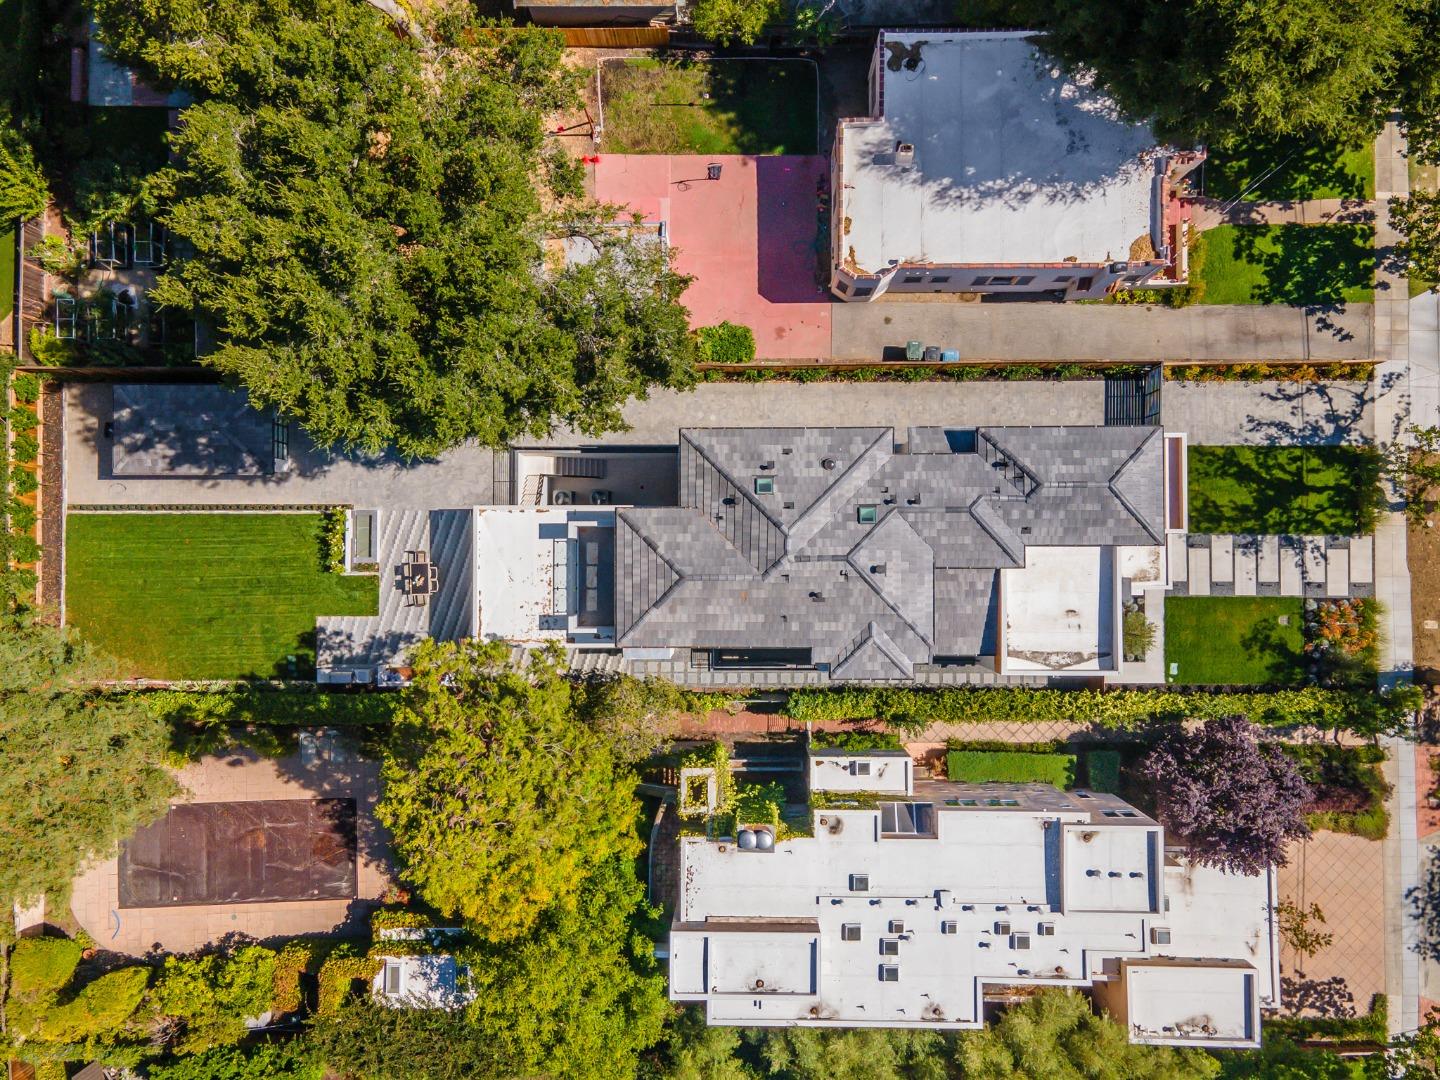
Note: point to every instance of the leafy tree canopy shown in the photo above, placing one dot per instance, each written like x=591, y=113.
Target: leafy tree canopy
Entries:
x=578, y=997
x=1056, y=1036
x=376, y=226
x=78, y=772
x=500, y=799
x=739, y=22
x=24, y=192
x=267, y=1061
x=1235, y=800
x=1206, y=69
x=1416, y=218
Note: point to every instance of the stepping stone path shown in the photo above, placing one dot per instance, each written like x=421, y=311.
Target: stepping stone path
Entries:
x=1309, y=566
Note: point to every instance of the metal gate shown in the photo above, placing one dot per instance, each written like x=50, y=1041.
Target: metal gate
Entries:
x=1133, y=399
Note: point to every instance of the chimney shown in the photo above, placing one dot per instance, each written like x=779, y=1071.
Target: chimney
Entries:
x=904, y=153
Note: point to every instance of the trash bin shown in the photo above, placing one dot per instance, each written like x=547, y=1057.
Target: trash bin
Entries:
x=932, y=354
x=950, y=356
x=913, y=350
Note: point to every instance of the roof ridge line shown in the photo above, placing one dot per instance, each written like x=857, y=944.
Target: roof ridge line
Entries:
x=1120, y=495
x=928, y=639
x=848, y=472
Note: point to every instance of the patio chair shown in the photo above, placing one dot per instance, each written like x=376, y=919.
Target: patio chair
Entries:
x=64, y=317
x=434, y=578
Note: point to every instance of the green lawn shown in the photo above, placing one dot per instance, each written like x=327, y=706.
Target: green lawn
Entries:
x=1310, y=490
x=204, y=596
x=1289, y=169
x=1235, y=640
x=1010, y=767
x=7, y=272
x=1301, y=265
x=708, y=107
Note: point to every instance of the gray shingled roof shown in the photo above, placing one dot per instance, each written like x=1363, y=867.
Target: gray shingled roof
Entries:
x=792, y=565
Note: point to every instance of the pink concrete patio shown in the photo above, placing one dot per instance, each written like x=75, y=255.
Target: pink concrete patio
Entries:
x=233, y=777
x=749, y=239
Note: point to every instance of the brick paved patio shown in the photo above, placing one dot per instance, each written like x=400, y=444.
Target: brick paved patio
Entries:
x=332, y=772
x=1345, y=876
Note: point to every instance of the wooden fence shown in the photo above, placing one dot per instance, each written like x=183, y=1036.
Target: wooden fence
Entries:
x=616, y=37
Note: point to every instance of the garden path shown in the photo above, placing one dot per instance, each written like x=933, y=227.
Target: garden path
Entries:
x=1207, y=213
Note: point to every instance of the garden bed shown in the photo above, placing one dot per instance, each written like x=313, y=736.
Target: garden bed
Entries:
x=1236, y=640
x=1303, y=490
x=1348, y=790
x=1010, y=767
x=205, y=596
x=1300, y=265
x=652, y=106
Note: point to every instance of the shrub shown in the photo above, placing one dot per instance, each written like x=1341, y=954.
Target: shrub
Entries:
x=294, y=960
x=214, y=995
x=332, y=539
x=338, y=975
x=23, y=419
x=726, y=343
x=1102, y=770
x=759, y=804
x=99, y=1009
x=399, y=919
x=49, y=351
x=22, y=516
x=26, y=388
x=23, y=482
x=855, y=740
x=269, y=1061
x=40, y=964
x=24, y=448
x=1138, y=634
x=24, y=549
x=1348, y=792
x=1373, y=1027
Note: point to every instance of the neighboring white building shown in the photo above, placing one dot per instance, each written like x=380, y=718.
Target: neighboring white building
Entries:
x=983, y=168
x=421, y=981
x=919, y=911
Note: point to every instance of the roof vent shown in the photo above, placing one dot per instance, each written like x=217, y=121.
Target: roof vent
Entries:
x=878, y=568
x=827, y=463
x=905, y=152
x=817, y=596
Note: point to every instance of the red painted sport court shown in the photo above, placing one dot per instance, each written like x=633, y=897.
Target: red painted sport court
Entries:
x=749, y=239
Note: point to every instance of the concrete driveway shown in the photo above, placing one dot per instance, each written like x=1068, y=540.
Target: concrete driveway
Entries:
x=898, y=405
x=1270, y=413
x=1044, y=331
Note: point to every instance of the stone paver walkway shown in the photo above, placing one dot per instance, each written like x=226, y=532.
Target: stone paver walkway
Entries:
x=1207, y=213
x=1309, y=566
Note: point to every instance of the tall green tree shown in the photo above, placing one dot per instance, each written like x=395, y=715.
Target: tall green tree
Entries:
x=578, y=997
x=1416, y=217
x=501, y=801
x=383, y=237
x=1055, y=1035
x=1203, y=70
x=861, y=1054
x=79, y=771
x=24, y=191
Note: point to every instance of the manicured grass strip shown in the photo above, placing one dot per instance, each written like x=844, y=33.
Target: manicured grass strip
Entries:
x=7, y=272
x=1010, y=767
x=1300, y=265
x=1102, y=770
x=708, y=107
x=1289, y=169
x=1235, y=640
x=204, y=596
x=1309, y=490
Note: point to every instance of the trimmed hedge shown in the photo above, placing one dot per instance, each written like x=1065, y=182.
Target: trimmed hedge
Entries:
x=726, y=343
x=337, y=975
x=44, y=963
x=1373, y=1027
x=1362, y=711
x=299, y=708
x=1102, y=770
x=1009, y=767
x=855, y=740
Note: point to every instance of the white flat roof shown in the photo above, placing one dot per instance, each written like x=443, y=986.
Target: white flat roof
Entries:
x=1014, y=161
x=792, y=937
x=1183, y=1003
x=1059, y=610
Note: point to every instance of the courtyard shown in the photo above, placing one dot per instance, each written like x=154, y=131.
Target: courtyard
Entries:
x=753, y=238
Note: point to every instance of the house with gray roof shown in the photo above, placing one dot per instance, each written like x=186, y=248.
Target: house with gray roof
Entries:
x=860, y=557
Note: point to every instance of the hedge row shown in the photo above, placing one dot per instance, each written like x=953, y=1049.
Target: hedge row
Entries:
x=1364, y=712
x=299, y=708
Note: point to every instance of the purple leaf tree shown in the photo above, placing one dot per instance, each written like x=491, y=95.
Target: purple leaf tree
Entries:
x=1234, y=799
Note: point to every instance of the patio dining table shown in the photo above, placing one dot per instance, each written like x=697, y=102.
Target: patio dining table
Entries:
x=415, y=578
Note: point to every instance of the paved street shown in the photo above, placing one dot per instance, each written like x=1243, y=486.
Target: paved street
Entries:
x=1270, y=413
x=1037, y=331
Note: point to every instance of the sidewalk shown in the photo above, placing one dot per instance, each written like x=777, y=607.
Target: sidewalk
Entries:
x=1392, y=585
x=1207, y=213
